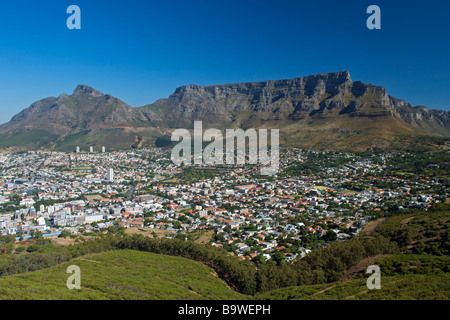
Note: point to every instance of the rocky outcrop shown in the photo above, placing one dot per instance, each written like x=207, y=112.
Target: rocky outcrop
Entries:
x=318, y=96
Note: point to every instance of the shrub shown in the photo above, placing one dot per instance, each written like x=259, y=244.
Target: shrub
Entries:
x=20, y=249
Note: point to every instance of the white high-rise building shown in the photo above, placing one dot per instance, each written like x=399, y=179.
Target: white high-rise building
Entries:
x=91, y=149
x=110, y=174
x=77, y=150
x=103, y=149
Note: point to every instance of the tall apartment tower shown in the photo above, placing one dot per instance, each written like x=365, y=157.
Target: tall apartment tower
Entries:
x=77, y=150
x=91, y=149
x=110, y=174
x=103, y=149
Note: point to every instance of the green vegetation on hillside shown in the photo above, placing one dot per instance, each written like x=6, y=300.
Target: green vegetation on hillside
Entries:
x=192, y=174
x=119, y=275
x=411, y=250
x=409, y=287
x=26, y=138
x=419, y=233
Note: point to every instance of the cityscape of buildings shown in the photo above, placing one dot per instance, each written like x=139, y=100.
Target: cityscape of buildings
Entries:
x=278, y=217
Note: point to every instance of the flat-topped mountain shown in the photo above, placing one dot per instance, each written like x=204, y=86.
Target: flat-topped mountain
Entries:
x=319, y=96
x=325, y=110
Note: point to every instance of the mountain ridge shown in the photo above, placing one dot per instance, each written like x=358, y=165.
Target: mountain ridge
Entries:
x=313, y=111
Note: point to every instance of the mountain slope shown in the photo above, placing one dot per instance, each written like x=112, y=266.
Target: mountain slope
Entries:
x=118, y=275
x=324, y=111
x=87, y=117
x=86, y=108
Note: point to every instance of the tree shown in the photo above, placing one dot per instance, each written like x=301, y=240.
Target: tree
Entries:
x=65, y=234
x=218, y=237
x=180, y=236
x=33, y=248
x=330, y=236
x=38, y=235
x=278, y=257
x=10, y=238
x=176, y=225
x=259, y=259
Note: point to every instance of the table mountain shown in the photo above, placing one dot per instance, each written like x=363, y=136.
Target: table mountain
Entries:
x=325, y=110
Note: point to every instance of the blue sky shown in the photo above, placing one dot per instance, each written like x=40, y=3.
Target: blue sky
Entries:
x=140, y=51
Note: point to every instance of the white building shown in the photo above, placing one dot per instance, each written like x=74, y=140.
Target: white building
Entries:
x=3, y=199
x=27, y=202
x=93, y=218
x=40, y=221
x=110, y=174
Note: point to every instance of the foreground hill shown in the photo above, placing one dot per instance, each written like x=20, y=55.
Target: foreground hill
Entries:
x=135, y=275
x=325, y=111
x=412, y=251
x=124, y=274
x=403, y=277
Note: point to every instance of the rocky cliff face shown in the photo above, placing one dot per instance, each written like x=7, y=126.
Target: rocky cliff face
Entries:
x=320, y=96
x=280, y=99
x=434, y=121
x=306, y=109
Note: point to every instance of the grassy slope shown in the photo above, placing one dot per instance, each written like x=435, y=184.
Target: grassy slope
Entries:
x=26, y=137
x=403, y=277
x=421, y=272
x=118, y=275
x=399, y=287
x=362, y=133
x=128, y=274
